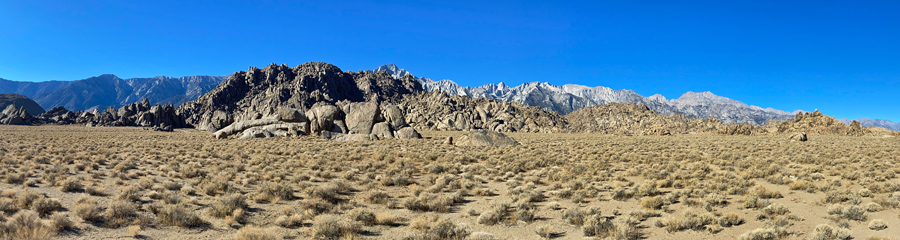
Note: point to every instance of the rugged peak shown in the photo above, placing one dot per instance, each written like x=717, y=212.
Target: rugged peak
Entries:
x=658, y=97
x=392, y=70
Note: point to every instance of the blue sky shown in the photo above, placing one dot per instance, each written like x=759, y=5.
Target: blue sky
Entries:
x=841, y=57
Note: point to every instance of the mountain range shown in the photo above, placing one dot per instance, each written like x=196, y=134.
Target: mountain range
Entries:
x=570, y=97
x=109, y=90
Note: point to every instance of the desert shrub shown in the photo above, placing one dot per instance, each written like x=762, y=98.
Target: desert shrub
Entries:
x=291, y=221
x=773, y=210
x=377, y=197
x=129, y=193
x=179, y=216
x=333, y=227
x=25, y=199
x=826, y=232
x=88, y=210
x=255, y=233
x=873, y=207
x=275, y=192
x=8, y=206
x=730, y=219
x=691, y=219
x=327, y=192
x=361, y=215
x=760, y=234
x=45, y=206
x=427, y=202
x=754, y=202
x=576, y=216
x=802, y=185
x=120, y=213
x=27, y=225
x=442, y=229
x=70, y=185
x=653, y=203
x=228, y=204
x=877, y=225
x=643, y=215
x=598, y=226
x=60, y=222
x=764, y=193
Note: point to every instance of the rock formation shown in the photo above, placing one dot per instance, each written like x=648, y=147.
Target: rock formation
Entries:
x=635, y=119
x=252, y=94
x=485, y=138
x=15, y=115
x=21, y=101
x=440, y=111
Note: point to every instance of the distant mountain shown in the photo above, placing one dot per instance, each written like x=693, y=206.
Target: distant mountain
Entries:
x=109, y=90
x=570, y=97
x=30, y=89
x=868, y=122
x=30, y=106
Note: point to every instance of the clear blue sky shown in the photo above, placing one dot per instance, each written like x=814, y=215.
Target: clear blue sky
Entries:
x=842, y=57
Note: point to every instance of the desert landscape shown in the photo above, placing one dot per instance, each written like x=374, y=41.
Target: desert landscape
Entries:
x=75, y=182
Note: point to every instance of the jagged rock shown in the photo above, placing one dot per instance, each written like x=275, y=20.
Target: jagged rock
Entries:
x=439, y=111
x=482, y=137
x=634, y=119
x=291, y=115
x=15, y=115
x=407, y=133
x=31, y=107
x=798, y=137
x=361, y=116
x=241, y=126
x=393, y=116
x=382, y=130
x=322, y=117
x=247, y=94
x=448, y=141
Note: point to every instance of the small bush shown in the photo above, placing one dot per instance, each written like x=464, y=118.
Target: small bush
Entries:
x=254, y=233
x=45, y=206
x=877, y=225
x=271, y=192
x=228, y=204
x=27, y=225
x=88, y=210
x=333, y=227
x=120, y=213
x=598, y=226
x=760, y=234
x=653, y=203
x=873, y=207
x=730, y=219
x=364, y=216
x=179, y=216
x=70, y=185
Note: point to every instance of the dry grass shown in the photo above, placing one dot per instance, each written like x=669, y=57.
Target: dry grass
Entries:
x=551, y=186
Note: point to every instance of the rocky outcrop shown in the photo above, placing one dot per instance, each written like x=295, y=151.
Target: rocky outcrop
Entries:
x=440, y=111
x=15, y=115
x=32, y=107
x=485, y=138
x=635, y=119
x=798, y=137
x=325, y=120
x=252, y=94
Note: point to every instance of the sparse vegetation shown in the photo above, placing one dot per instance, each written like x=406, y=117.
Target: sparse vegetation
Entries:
x=622, y=187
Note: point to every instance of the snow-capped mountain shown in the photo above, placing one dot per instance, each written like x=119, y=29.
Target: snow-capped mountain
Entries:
x=570, y=97
x=868, y=122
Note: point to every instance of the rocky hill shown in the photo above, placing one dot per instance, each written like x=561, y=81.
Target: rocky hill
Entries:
x=441, y=111
x=21, y=101
x=109, y=90
x=817, y=123
x=635, y=119
x=256, y=93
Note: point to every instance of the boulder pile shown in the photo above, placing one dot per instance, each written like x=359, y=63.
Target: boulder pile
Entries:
x=346, y=121
x=15, y=115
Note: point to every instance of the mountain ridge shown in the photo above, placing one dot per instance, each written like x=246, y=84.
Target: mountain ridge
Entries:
x=108, y=90
x=570, y=97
